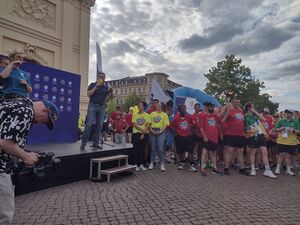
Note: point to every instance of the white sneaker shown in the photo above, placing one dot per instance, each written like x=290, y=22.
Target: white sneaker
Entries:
x=253, y=173
x=299, y=173
x=150, y=166
x=289, y=172
x=269, y=173
x=163, y=168
x=180, y=167
x=193, y=169
x=137, y=168
x=142, y=167
x=277, y=171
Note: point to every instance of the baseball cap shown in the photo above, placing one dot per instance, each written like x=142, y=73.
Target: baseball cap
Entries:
x=53, y=113
x=288, y=111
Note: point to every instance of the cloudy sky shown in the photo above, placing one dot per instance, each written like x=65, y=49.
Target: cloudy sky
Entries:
x=184, y=38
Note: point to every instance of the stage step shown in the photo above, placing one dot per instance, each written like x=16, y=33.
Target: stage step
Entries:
x=120, y=169
x=98, y=162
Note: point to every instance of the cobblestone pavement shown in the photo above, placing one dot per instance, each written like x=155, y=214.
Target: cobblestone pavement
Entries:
x=171, y=197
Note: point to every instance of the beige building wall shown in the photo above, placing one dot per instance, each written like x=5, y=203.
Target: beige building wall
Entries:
x=54, y=33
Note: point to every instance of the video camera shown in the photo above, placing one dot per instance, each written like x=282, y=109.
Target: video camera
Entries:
x=47, y=165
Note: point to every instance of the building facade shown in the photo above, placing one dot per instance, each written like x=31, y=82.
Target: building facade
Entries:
x=140, y=85
x=53, y=33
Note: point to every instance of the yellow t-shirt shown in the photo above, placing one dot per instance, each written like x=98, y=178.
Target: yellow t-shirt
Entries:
x=158, y=120
x=142, y=119
x=286, y=137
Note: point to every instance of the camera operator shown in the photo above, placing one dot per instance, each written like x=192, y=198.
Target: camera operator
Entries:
x=16, y=118
x=16, y=82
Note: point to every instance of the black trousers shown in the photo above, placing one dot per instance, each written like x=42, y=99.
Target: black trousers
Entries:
x=138, y=148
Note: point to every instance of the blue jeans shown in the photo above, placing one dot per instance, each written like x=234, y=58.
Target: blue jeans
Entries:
x=157, y=146
x=96, y=114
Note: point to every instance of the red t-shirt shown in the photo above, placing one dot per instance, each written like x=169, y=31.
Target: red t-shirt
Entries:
x=128, y=119
x=268, y=123
x=197, y=117
x=224, y=126
x=182, y=125
x=113, y=116
x=119, y=125
x=209, y=124
x=235, y=122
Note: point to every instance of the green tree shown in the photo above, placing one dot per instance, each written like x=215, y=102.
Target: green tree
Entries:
x=229, y=76
x=131, y=101
x=111, y=105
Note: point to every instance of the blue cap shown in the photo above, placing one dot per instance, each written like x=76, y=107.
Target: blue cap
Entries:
x=53, y=113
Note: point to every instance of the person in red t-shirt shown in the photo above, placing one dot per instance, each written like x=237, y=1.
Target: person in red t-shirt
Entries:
x=197, y=136
x=128, y=119
x=182, y=124
x=119, y=126
x=234, y=117
x=211, y=130
x=112, y=118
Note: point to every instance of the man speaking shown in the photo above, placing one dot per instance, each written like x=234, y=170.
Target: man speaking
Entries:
x=97, y=92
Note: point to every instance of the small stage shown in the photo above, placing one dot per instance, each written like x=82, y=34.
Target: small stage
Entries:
x=75, y=164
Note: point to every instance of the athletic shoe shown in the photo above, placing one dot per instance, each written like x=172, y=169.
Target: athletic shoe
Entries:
x=82, y=147
x=289, y=172
x=137, y=168
x=216, y=172
x=162, y=167
x=150, y=166
x=181, y=166
x=269, y=173
x=142, y=167
x=203, y=173
x=299, y=173
x=192, y=168
x=244, y=172
x=226, y=171
x=277, y=171
x=253, y=172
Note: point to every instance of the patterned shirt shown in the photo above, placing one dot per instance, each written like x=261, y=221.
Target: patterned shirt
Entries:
x=16, y=118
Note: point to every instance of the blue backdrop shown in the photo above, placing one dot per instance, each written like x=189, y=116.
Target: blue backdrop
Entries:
x=63, y=89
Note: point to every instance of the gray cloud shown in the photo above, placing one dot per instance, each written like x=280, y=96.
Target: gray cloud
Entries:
x=286, y=70
x=117, y=48
x=264, y=38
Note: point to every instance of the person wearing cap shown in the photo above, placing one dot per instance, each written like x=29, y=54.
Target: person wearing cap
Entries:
x=17, y=117
x=16, y=82
x=287, y=129
x=210, y=127
x=97, y=92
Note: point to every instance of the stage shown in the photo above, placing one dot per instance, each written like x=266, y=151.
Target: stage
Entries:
x=74, y=165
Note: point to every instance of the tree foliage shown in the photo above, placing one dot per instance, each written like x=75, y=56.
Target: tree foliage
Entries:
x=111, y=105
x=131, y=101
x=229, y=76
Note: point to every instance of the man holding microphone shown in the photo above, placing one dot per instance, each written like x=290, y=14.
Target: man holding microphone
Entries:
x=97, y=92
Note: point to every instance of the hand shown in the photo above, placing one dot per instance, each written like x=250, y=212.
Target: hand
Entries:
x=221, y=138
x=16, y=62
x=205, y=139
x=30, y=158
x=228, y=106
x=100, y=82
x=142, y=136
x=24, y=82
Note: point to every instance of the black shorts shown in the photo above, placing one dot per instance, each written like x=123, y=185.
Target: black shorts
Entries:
x=256, y=141
x=210, y=146
x=129, y=130
x=183, y=144
x=271, y=144
x=291, y=149
x=197, y=139
x=234, y=141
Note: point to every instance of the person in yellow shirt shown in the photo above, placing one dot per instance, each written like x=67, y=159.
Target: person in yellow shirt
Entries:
x=287, y=129
x=159, y=122
x=140, y=121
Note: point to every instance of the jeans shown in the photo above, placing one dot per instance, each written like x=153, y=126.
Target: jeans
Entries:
x=96, y=114
x=157, y=146
x=7, y=199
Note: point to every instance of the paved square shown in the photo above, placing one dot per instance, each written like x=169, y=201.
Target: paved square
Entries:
x=172, y=197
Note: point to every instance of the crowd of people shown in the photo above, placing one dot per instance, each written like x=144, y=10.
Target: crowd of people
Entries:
x=215, y=138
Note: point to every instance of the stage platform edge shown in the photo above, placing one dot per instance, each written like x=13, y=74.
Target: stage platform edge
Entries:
x=75, y=164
